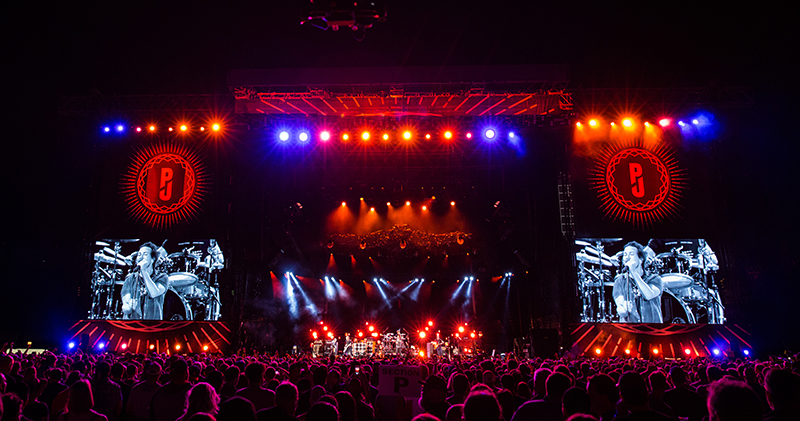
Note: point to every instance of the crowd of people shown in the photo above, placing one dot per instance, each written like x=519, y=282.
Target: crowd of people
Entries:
x=203, y=387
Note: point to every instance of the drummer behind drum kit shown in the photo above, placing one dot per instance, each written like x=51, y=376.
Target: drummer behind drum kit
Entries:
x=193, y=292
x=690, y=294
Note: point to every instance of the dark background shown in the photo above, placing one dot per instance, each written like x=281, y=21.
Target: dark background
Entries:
x=188, y=47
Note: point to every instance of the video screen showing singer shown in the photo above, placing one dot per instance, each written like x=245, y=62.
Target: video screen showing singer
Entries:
x=637, y=291
x=144, y=288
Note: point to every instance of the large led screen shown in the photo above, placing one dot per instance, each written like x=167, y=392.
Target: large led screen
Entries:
x=137, y=279
x=624, y=280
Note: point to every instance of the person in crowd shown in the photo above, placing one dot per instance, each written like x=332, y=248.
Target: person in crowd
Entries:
x=80, y=403
x=548, y=408
x=285, y=404
x=364, y=411
x=434, y=395
x=346, y=406
x=575, y=401
x=482, y=405
x=322, y=411
x=459, y=384
x=783, y=395
x=55, y=385
x=169, y=401
x=539, y=380
x=202, y=416
x=236, y=408
x=202, y=398
x=633, y=393
x=683, y=401
x=731, y=400
x=658, y=385
x=603, y=396
x=138, y=406
x=255, y=392
x=108, y=394
x=228, y=388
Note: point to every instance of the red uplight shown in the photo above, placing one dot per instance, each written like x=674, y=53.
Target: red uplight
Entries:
x=687, y=351
x=598, y=351
x=205, y=347
x=124, y=346
x=593, y=122
x=664, y=122
x=138, y=129
x=627, y=352
x=344, y=204
x=655, y=351
x=428, y=136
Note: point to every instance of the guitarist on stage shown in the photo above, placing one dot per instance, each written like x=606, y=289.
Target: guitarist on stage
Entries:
x=144, y=289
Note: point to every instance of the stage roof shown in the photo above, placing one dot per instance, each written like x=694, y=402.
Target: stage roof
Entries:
x=452, y=91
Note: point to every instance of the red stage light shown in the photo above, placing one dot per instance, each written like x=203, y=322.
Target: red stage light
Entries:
x=325, y=328
x=461, y=329
x=627, y=352
x=422, y=335
x=371, y=328
x=469, y=135
x=448, y=134
x=452, y=203
x=430, y=322
x=428, y=136
x=627, y=122
x=205, y=347
x=124, y=346
x=215, y=127
x=664, y=122
x=408, y=203
x=344, y=204
x=152, y=347
x=687, y=351
x=365, y=136
x=424, y=208
x=385, y=136
x=655, y=351
x=406, y=135
x=374, y=334
x=372, y=209
x=593, y=123
x=170, y=129
x=178, y=347
x=597, y=351
x=184, y=128
x=578, y=124
x=345, y=136
x=202, y=129
x=152, y=128
x=138, y=129
x=325, y=136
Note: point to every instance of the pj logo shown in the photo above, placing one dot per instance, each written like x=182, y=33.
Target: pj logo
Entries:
x=164, y=184
x=638, y=184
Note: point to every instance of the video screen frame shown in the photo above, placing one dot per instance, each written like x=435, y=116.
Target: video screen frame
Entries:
x=135, y=279
x=624, y=280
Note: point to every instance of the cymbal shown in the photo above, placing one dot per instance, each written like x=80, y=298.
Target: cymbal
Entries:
x=610, y=259
x=182, y=254
x=101, y=243
x=586, y=258
x=594, y=241
x=583, y=243
x=669, y=254
x=100, y=257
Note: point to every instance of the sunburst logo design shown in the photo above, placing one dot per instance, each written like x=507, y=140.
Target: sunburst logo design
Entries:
x=164, y=185
x=638, y=183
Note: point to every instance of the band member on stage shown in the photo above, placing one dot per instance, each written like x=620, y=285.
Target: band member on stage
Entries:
x=144, y=285
x=637, y=292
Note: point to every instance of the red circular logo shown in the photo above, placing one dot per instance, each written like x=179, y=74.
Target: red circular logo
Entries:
x=165, y=183
x=637, y=179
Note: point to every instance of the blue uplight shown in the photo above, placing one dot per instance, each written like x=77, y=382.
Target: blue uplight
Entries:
x=283, y=136
x=716, y=351
x=101, y=345
x=489, y=134
x=71, y=345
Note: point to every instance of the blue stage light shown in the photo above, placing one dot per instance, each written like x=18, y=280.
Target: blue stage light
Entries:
x=716, y=351
x=303, y=136
x=106, y=129
x=489, y=134
x=511, y=135
x=120, y=128
x=283, y=136
x=747, y=352
x=101, y=345
x=71, y=345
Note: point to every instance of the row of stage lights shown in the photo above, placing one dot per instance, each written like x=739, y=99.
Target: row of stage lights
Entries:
x=152, y=128
x=101, y=346
x=304, y=136
x=408, y=203
x=598, y=352
x=700, y=121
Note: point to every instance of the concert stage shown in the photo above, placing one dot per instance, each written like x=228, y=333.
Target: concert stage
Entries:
x=640, y=340
x=141, y=336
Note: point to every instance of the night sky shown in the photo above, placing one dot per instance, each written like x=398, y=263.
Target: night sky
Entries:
x=82, y=48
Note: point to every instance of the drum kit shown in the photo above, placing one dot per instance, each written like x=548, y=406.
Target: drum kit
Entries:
x=689, y=292
x=193, y=291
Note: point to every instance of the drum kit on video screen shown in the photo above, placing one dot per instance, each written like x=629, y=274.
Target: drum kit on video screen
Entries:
x=687, y=269
x=190, y=275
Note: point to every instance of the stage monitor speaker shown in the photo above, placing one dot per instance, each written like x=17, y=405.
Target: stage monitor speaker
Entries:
x=545, y=342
